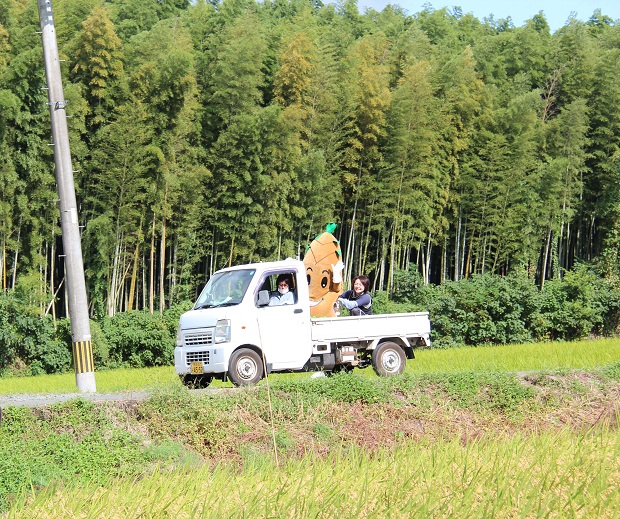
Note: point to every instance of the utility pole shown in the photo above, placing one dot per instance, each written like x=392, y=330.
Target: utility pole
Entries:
x=76, y=286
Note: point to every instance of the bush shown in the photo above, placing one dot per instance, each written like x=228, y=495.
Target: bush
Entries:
x=579, y=305
x=28, y=341
x=490, y=309
x=381, y=304
x=101, y=353
x=139, y=339
x=483, y=309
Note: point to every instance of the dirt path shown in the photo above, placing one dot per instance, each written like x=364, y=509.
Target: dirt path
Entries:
x=40, y=400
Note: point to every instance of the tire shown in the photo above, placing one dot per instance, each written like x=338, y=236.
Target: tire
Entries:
x=388, y=359
x=196, y=381
x=245, y=367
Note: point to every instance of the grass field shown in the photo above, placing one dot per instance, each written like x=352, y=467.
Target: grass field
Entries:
x=511, y=358
x=463, y=434
x=551, y=475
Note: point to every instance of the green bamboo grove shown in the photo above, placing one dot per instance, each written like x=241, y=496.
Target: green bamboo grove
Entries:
x=209, y=133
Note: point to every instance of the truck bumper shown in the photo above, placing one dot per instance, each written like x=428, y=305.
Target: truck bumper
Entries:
x=211, y=359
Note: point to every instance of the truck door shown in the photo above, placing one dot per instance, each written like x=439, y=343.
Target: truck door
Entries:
x=284, y=328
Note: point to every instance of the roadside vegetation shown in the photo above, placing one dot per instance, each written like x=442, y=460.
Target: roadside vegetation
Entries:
x=447, y=438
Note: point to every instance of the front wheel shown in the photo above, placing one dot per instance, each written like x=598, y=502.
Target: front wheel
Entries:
x=245, y=368
x=196, y=381
x=388, y=359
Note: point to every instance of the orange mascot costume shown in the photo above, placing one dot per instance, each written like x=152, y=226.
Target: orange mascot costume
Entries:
x=324, y=271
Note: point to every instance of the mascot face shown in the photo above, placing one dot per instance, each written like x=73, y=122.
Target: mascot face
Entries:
x=323, y=269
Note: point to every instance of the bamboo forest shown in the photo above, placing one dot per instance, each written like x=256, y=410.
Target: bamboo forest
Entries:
x=211, y=133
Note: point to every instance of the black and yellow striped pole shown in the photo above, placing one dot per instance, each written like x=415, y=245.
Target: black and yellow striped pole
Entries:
x=71, y=241
x=83, y=357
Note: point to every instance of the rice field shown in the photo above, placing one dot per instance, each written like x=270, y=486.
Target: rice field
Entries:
x=508, y=358
x=550, y=475
x=522, y=357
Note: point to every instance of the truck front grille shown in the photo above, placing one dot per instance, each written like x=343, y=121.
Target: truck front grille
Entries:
x=197, y=356
x=199, y=339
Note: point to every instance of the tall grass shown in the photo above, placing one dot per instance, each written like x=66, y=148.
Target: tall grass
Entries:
x=557, y=474
x=510, y=358
x=521, y=357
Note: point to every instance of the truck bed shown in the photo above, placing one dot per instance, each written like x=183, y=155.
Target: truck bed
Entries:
x=369, y=327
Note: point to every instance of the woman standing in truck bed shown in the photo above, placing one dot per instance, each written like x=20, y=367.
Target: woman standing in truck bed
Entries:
x=358, y=300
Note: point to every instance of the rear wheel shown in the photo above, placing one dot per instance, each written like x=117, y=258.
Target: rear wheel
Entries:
x=388, y=359
x=245, y=368
x=196, y=381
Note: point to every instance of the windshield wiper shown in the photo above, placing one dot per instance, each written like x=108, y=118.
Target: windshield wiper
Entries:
x=216, y=305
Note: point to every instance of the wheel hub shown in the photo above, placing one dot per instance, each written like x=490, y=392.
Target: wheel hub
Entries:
x=247, y=369
x=390, y=361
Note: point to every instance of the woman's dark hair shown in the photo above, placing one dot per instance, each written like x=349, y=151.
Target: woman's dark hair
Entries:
x=285, y=277
x=364, y=281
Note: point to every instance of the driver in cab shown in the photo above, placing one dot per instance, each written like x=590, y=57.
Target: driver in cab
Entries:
x=283, y=296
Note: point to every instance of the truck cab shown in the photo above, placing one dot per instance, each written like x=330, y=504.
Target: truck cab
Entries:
x=233, y=314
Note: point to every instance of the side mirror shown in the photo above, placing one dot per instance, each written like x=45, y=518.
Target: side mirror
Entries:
x=263, y=298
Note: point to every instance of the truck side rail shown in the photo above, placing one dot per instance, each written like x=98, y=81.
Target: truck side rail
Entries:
x=412, y=326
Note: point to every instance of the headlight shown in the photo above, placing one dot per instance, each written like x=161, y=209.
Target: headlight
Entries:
x=222, y=331
x=179, y=335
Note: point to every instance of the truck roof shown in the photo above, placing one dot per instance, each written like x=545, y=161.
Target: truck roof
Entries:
x=266, y=265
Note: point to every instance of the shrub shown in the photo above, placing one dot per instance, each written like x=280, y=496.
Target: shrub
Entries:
x=101, y=353
x=138, y=339
x=29, y=340
x=483, y=309
x=490, y=309
x=381, y=304
x=573, y=307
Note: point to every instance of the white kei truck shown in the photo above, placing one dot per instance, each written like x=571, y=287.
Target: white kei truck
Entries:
x=232, y=332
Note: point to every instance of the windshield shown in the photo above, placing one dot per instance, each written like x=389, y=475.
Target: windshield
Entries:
x=225, y=289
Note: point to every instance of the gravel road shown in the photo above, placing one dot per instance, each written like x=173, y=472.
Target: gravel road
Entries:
x=41, y=400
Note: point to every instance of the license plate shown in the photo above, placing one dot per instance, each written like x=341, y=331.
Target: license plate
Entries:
x=196, y=368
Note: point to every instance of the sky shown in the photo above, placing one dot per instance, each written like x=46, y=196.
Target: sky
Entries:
x=556, y=12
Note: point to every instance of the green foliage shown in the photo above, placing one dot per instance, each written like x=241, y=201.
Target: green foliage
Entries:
x=138, y=339
x=97, y=61
x=482, y=310
x=382, y=304
x=489, y=309
x=217, y=132
x=341, y=387
x=483, y=390
x=612, y=371
x=101, y=349
x=69, y=441
x=28, y=341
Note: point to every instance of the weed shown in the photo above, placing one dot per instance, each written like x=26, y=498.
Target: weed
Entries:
x=340, y=387
x=612, y=371
x=482, y=390
x=322, y=431
x=284, y=440
x=75, y=440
